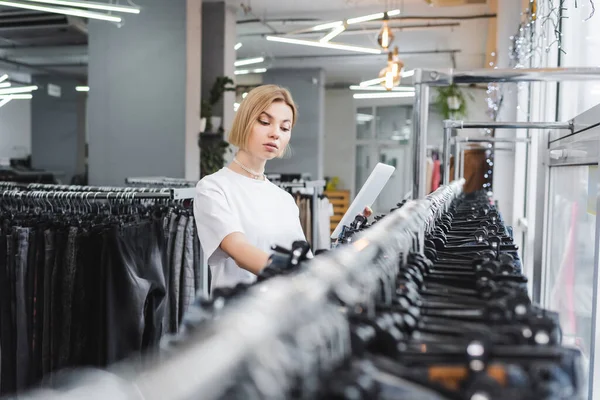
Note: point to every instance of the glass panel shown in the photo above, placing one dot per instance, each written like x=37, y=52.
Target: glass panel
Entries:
x=570, y=255
x=364, y=123
x=363, y=165
x=393, y=123
x=580, y=40
x=396, y=188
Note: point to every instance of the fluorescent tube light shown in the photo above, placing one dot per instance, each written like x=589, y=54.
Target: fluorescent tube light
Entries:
x=250, y=71
x=371, y=82
x=236, y=106
x=23, y=89
x=249, y=61
x=365, y=18
x=393, y=13
x=4, y=101
x=3, y=78
x=237, y=46
x=91, y=5
x=5, y=85
x=388, y=95
x=61, y=10
x=332, y=34
x=382, y=89
x=407, y=74
x=17, y=96
x=82, y=88
x=336, y=46
x=329, y=25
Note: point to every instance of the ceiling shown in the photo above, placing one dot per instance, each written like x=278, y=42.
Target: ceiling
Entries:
x=455, y=42
x=48, y=43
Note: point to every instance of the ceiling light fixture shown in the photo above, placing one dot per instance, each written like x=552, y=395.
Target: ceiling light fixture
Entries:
x=248, y=61
x=382, y=89
x=250, y=71
x=393, y=13
x=333, y=34
x=328, y=45
x=61, y=10
x=370, y=82
x=82, y=88
x=237, y=46
x=365, y=18
x=17, y=96
x=386, y=36
x=5, y=85
x=387, y=95
x=91, y=5
x=329, y=25
x=23, y=89
x=3, y=77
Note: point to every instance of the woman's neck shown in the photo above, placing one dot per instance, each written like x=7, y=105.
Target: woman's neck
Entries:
x=249, y=161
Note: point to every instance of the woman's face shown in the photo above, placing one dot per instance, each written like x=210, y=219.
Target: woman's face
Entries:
x=270, y=133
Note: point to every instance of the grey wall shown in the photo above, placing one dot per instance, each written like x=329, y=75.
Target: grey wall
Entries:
x=57, y=128
x=137, y=99
x=340, y=137
x=15, y=129
x=308, y=90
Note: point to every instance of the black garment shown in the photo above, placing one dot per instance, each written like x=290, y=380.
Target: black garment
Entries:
x=7, y=340
x=49, y=262
x=21, y=315
x=135, y=292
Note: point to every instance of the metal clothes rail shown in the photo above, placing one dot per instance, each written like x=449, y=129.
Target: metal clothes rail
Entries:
x=115, y=192
x=450, y=132
x=423, y=79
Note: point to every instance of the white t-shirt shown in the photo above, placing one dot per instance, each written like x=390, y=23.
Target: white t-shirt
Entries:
x=228, y=202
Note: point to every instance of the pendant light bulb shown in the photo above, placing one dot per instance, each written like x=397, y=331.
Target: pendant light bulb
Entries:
x=386, y=36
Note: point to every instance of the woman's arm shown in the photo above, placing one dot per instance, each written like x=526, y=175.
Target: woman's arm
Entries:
x=245, y=255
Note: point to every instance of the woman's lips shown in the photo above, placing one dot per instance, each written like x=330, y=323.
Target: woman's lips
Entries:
x=271, y=148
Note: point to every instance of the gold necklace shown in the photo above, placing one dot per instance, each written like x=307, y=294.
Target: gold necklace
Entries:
x=254, y=174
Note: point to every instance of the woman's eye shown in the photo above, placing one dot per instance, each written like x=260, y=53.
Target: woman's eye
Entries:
x=263, y=122
x=285, y=129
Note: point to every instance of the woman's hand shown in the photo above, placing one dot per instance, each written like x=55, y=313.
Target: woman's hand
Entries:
x=244, y=254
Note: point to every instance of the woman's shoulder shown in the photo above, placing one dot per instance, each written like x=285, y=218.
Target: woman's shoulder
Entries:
x=215, y=181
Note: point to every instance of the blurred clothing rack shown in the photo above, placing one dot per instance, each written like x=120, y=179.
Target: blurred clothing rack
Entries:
x=159, y=181
x=106, y=192
x=318, y=187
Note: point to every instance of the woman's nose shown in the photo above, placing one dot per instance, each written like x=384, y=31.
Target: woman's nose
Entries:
x=274, y=133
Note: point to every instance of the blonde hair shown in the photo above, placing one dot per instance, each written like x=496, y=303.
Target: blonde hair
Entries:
x=256, y=102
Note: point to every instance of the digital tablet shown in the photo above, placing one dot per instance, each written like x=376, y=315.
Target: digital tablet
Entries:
x=367, y=195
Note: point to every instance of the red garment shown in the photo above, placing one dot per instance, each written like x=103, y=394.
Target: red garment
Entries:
x=436, y=176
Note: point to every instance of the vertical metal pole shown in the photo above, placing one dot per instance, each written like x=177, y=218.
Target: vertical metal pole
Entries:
x=446, y=161
x=420, y=116
x=315, y=218
x=456, y=156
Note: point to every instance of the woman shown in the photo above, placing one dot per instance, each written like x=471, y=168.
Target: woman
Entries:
x=238, y=212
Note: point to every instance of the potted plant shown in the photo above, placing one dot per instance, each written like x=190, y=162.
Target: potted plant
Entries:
x=220, y=86
x=212, y=145
x=451, y=102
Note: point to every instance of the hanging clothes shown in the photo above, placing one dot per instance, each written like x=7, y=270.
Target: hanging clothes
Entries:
x=436, y=175
x=89, y=283
x=429, y=174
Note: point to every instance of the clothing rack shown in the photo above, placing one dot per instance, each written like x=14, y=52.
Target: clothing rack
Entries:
x=318, y=186
x=159, y=181
x=106, y=192
x=450, y=135
x=424, y=79
x=252, y=324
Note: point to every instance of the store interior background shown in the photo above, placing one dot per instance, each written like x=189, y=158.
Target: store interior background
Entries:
x=148, y=76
